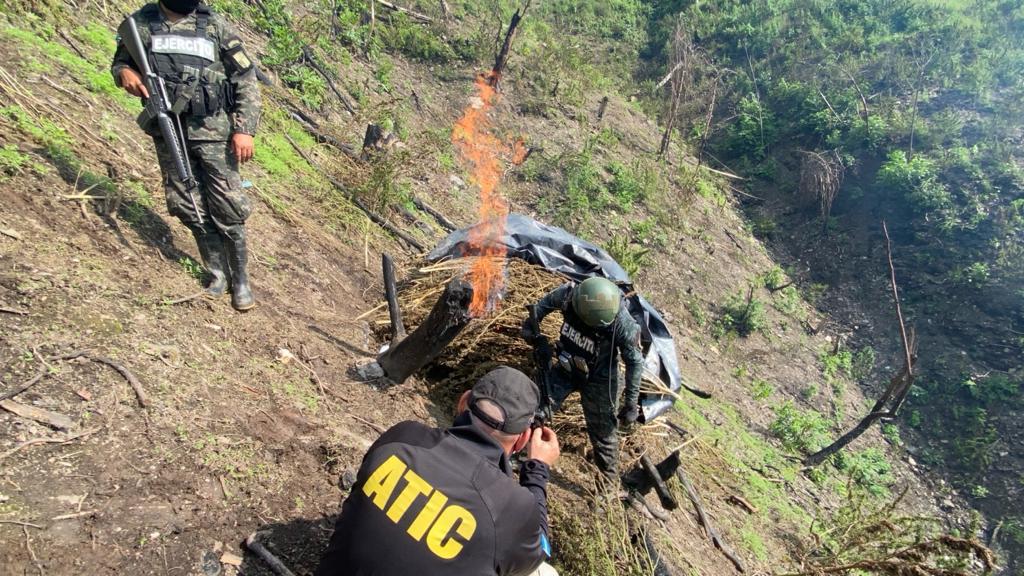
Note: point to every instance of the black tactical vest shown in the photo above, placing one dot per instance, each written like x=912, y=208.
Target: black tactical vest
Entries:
x=189, y=64
x=582, y=342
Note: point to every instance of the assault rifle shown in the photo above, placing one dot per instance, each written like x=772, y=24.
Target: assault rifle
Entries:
x=158, y=108
x=542, y=356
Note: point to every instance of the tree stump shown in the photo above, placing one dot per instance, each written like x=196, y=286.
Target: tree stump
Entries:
x=448, y=317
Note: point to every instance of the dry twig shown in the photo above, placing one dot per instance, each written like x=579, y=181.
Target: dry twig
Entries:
x=36, y=441
x=140, y=393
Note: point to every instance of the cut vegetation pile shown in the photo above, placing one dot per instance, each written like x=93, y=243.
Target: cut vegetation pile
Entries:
x=609, y=547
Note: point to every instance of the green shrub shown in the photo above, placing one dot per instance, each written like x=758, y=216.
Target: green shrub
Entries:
x=763, y=227
x=916, y=179
x=762, y=389
x=868, y=469
x=631, y=257
x=788, y=302
x=891, y=432
x=307, y=83
x=976, y=275
x=191, y=267
x=800, y=431
x=11, y=161
x=773, y=279
x=693, y=306
x=742, y=316
x=648, y=231
x=836, y=364
x=632, y=184
x=414, y=40
x=863, y=363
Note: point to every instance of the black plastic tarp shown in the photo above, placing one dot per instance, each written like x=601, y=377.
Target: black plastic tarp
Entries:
x=559, y=251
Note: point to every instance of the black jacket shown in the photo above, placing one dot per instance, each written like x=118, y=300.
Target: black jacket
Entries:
x=430, y=501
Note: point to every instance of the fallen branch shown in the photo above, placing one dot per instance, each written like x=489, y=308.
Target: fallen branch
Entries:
x=657, y=476
x=184, y=299
x=140, y=394
x=16, y=311
x=775, y=289
x=19, y=523
x=28, y=384
x=441, y=219
x=10, y=233
x=36, y=441
x=702, y=517
x=376, y=427
x=252, y=543
x=742, y=503
x=312, y=129
x=74, y=515
x=51, y=419
x=411, y=13
x=73, y=45
x=412, y=242
x=310, y=58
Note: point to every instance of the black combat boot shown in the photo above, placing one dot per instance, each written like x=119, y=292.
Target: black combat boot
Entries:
x=241, y=294
x=211, y=250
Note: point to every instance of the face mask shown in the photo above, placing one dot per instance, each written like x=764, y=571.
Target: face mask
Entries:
x=180, y=6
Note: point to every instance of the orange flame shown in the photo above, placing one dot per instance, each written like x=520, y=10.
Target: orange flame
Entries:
x=481, y=151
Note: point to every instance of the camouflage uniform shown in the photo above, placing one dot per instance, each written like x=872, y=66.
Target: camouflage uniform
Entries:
x=215, y=92
x=588, y=362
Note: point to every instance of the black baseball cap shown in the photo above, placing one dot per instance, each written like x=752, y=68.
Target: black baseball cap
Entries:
x=511, y=391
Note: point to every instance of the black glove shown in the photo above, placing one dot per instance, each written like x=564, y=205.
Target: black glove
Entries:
x=542, y=351
x=527, y=331
x=629, y=414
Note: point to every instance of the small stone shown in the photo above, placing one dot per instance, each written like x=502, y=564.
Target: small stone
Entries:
x=210, y=564
x=370, y=371
x=347, y=480
x=231, y=559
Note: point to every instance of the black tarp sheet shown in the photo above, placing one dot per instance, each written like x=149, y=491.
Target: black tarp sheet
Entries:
x=559, y=251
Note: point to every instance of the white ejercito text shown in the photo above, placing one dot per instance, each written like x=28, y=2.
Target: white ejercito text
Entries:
x=574, y=336
x=188, y=45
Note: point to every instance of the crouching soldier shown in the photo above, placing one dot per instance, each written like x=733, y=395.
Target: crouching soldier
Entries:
x=596, y=328
x=214, y=102
x=433, y=501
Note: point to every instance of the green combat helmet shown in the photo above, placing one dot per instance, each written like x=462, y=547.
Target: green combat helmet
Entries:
x=596, y=301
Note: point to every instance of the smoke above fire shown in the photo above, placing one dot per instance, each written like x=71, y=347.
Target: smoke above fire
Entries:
x=482, y=153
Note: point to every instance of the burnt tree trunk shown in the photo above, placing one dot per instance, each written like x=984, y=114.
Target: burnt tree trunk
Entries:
x=391, y=295
x=899, y=384
x=501, y=58
x=448, y=317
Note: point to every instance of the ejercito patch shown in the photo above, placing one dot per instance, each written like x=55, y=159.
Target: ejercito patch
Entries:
x=189, y=45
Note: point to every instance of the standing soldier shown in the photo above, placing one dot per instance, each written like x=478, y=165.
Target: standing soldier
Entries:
x=211, y=86
x=596, y=328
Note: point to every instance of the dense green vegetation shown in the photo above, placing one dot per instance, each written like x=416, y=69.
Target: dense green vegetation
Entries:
x=921, y=103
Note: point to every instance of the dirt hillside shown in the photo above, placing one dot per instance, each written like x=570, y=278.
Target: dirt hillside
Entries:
x=253, y=420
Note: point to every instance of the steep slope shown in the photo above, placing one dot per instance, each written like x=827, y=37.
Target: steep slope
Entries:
x=253, y=418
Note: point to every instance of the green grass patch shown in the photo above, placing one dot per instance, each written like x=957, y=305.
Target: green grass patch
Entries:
x=94, y=76
x=749, y=457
